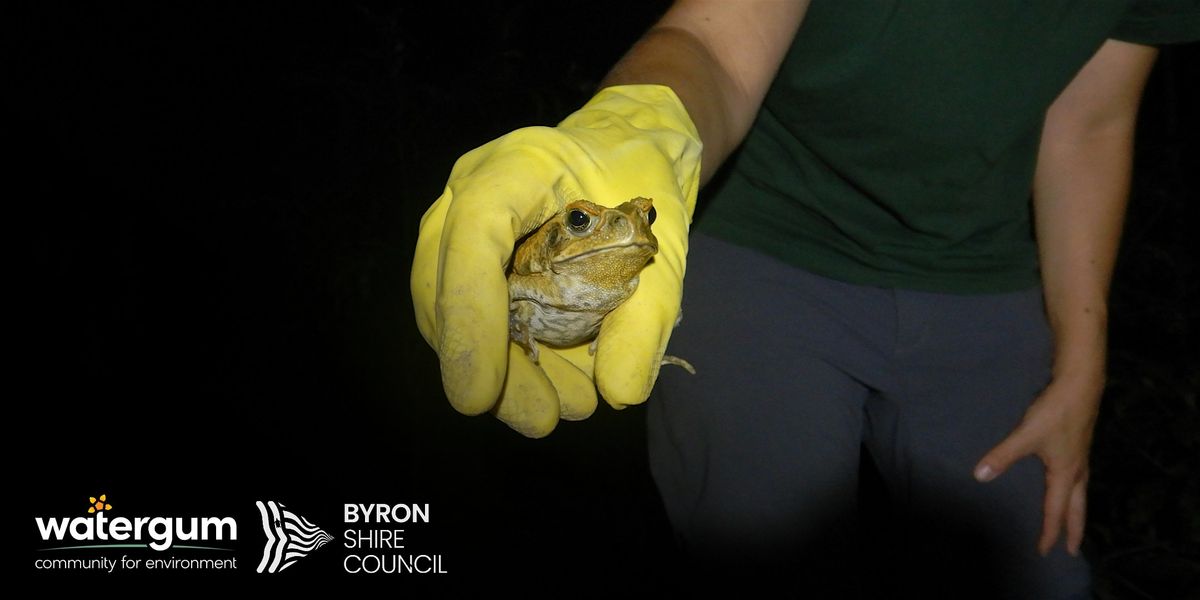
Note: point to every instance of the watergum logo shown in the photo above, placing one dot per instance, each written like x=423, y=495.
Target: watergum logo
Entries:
x=161, y=533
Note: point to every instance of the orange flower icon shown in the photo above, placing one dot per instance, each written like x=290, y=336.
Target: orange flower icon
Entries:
x=100, y=503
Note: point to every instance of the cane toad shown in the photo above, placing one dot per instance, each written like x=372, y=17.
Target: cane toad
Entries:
x=575, y=269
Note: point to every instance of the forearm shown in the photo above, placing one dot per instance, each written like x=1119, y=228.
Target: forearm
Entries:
x=1080, y=190
x=677, y=59
x=1080, y=194
x=719, y=58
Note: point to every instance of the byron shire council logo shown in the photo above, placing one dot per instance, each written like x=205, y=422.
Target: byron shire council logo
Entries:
x=290, y=537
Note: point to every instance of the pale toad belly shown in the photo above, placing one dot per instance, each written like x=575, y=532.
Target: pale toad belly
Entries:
x=555, y=326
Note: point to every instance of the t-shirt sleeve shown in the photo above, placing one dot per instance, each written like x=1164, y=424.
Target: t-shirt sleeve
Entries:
x=1154, y=22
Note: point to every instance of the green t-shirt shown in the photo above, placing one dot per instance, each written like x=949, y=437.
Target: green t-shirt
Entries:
x=896, y=146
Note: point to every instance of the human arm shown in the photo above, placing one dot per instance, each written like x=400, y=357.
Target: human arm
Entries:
x=1080, y=189
x=630, y=140
x=720, y=58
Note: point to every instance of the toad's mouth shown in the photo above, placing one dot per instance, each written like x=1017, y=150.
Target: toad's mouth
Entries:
x=595, y=251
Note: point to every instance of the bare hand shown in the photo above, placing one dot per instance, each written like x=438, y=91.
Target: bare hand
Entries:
x=1057, y=428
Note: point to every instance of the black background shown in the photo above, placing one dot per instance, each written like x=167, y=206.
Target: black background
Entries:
x=217, y=211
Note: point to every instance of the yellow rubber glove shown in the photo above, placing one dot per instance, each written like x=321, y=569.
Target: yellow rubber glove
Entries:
x=628, y=141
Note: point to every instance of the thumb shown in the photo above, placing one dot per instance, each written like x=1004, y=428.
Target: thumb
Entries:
x=633, y=337
x=1019, y=444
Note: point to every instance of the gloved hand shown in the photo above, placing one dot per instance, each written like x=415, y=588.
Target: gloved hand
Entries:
x=628, y=141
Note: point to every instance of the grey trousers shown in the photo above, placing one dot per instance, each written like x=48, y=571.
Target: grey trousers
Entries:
x=757, y=456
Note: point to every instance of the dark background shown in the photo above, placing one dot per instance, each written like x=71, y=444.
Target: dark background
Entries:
x=217, y=212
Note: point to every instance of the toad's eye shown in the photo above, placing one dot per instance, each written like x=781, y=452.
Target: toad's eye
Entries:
x=578, y=220
x=650, y=216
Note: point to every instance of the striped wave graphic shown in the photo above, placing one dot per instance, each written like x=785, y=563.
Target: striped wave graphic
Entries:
x=290, y=537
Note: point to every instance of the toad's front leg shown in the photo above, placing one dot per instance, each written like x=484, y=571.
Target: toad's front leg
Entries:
x=519, y=329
